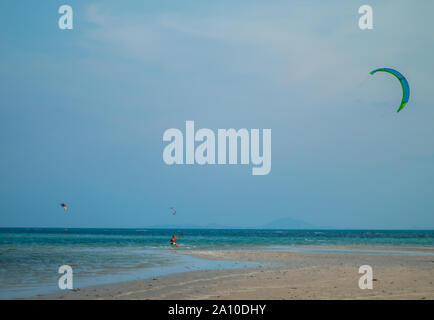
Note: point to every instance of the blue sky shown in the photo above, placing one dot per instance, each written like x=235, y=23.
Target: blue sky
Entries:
x=83, y=112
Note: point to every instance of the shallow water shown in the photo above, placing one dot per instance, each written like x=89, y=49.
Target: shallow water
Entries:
x=30, y=258
x=353, y=251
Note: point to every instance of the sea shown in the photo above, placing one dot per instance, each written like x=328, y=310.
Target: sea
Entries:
x=30, y=257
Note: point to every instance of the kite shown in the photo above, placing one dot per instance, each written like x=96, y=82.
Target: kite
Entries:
x=404, y=85
x=63, y=206
x=174, y=210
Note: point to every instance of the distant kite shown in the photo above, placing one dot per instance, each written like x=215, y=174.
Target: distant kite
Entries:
x=173, y=210
x=404, y=85
x=64, y=206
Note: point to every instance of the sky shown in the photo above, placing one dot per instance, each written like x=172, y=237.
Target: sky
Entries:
x=83, y=112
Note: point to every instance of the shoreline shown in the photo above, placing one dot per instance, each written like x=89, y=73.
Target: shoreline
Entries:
x=278, y=275
x=371, y=247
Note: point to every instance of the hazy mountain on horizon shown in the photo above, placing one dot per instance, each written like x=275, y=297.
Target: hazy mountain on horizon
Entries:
x=282, y=223
x=288, y=223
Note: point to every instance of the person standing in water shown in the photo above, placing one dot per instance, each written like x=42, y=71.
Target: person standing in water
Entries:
x=172, y=241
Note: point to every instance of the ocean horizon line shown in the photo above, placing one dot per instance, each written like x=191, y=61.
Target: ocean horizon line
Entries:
x=220, y=228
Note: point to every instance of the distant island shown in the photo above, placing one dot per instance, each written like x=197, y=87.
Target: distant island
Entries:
x=282, y=223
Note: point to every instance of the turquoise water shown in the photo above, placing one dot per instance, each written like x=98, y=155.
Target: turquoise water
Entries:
x=30, y=258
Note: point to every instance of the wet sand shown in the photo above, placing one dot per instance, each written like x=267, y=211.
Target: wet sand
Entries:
x=281, y=275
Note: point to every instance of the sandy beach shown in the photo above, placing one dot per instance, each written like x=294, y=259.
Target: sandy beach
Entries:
x=281, y=275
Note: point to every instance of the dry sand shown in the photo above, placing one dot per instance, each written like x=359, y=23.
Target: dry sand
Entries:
x=282, y=275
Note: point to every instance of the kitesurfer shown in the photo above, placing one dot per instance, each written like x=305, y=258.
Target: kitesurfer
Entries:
x=172, y=241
